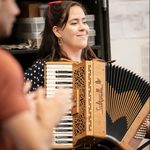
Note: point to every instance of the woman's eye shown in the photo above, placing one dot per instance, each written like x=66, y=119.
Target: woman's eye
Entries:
x=74, y=23
x=85, y=22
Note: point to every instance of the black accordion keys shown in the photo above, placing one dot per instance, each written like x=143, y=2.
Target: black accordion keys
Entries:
x=59, y=74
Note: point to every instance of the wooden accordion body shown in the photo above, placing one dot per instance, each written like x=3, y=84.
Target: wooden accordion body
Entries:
x=111, y=105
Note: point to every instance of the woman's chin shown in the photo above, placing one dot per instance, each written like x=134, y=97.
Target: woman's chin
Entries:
x=83, y=45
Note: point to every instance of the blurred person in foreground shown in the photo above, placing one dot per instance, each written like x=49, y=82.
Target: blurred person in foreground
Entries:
x=26, y=120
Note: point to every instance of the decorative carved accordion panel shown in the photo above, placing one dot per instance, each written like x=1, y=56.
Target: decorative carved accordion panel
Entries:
x=111, y=106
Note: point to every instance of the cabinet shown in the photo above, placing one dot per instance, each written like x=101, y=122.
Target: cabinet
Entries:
x=100, y=8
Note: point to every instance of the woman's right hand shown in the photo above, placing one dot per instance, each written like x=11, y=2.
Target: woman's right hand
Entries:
x=51, y=110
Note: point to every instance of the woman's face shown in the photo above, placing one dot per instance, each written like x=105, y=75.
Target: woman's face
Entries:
x=75, y=33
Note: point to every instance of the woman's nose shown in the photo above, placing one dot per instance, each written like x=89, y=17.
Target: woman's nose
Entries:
x=83, y=26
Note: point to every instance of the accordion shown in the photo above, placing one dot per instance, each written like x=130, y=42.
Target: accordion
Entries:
x=111, y=105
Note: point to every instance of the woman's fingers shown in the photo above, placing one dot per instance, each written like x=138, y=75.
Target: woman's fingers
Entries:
x=27, y=86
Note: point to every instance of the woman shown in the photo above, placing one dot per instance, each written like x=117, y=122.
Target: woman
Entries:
x=65, y=36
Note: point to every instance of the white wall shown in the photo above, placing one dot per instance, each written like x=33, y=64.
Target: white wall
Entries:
x=129, y=31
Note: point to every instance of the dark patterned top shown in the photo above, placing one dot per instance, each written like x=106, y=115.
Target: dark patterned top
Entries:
x=35, y=74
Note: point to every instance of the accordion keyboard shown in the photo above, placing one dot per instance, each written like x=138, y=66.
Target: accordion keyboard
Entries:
x=60, y=75
x=140, y=134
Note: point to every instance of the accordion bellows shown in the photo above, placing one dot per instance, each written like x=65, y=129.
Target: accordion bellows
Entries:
x=111, y=104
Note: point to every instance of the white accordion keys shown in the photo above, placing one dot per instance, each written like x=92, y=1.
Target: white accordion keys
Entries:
x=59, y=74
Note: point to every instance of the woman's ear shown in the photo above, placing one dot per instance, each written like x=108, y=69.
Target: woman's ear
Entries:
x=56, y=31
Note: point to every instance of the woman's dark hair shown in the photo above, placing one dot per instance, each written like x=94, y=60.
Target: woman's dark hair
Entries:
x=57, y=15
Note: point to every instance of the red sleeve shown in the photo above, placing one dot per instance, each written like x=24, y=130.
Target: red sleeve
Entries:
x=12, y=98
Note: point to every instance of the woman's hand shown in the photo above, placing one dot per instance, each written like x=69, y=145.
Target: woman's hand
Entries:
x=48, y=111
x=51, y=110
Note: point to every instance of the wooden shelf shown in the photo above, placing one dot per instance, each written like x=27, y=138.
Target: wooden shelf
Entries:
x=23, y=51
x=28, y=51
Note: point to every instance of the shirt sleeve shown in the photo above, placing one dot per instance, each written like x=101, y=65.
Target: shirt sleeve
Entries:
x=35, y=74
x=12, y=97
